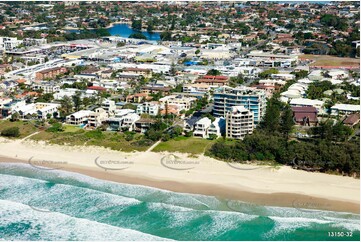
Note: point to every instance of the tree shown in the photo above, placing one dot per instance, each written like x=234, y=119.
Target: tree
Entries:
x=129, y=106
x=214, y=72
x=137, y=24
x=287, y=121
x=11, y=132
x=137, y=36
x=271, y=118
x=66, y=106
x=268, y=73
x=166, y=36
x=15, y=117
x=77, y=100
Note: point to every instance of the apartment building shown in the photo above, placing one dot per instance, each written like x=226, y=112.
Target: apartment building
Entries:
x=46, y=87
x=50, y=73
x=239, y=122
x=9, y=43
x=150, y=108
x=213, y=80
x=196, y=88
x=251, y=98
x=183, y=102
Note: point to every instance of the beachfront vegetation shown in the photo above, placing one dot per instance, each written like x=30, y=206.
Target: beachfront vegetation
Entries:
x=328, y=148
x=11, y=132
x=115, y=141
x=25, y=128
x=185, y=145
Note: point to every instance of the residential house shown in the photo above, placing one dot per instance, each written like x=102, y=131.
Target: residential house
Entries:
x=79, y=118
x=342, y=109
x=142, y=125
x=352, y=119
x=305, y=115
x=201, y=127
x=97, y=117
x=218, y=127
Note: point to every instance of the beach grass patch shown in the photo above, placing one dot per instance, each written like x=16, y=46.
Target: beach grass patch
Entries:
x=185, y=145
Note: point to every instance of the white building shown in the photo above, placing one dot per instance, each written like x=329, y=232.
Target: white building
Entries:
x=150, y=108
x=344, y=109
x=184, y=103
x=46, y=87
x=239, y=122
x=97, y=117
x=78, y=118
x=217, y=127
x=109, y=106
x=42, y=110
x=9, y=43
x=201, y=127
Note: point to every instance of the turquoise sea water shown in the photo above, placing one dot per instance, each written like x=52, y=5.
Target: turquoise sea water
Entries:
x=40, y=204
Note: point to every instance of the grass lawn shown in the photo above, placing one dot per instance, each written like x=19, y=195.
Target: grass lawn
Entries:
x=112, y=140
x=185, y=145
x=328, y=60
x=25, y=128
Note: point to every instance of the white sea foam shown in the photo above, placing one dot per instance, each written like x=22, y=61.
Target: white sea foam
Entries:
x=60, y=226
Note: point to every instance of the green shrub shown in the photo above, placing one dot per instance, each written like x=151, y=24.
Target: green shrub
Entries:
x=11, y=132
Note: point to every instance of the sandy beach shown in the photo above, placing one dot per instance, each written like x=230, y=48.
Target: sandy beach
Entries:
x=263, y=185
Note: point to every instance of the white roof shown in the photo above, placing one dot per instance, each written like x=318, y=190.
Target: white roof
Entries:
x=81, y=113
x=305, y=101
x=346, y=107
x=205, y=121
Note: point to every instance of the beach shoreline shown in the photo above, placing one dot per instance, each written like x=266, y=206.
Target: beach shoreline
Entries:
x=262, y=185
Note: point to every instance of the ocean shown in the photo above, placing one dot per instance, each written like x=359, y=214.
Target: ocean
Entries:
x=43, y=204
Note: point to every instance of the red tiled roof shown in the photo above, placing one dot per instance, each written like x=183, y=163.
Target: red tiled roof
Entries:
x=304, y=109
x=97, y=88
x=352, y=119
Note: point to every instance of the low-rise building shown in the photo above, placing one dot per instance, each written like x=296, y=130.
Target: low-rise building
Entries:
x=201, y=127
x=341, y=109
x=218, y=127
x=305, y=115
x=213, y=80
x=184, y=103
x=97, y=117
x=50, y=73
x=79, y=118
x=305, y=102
